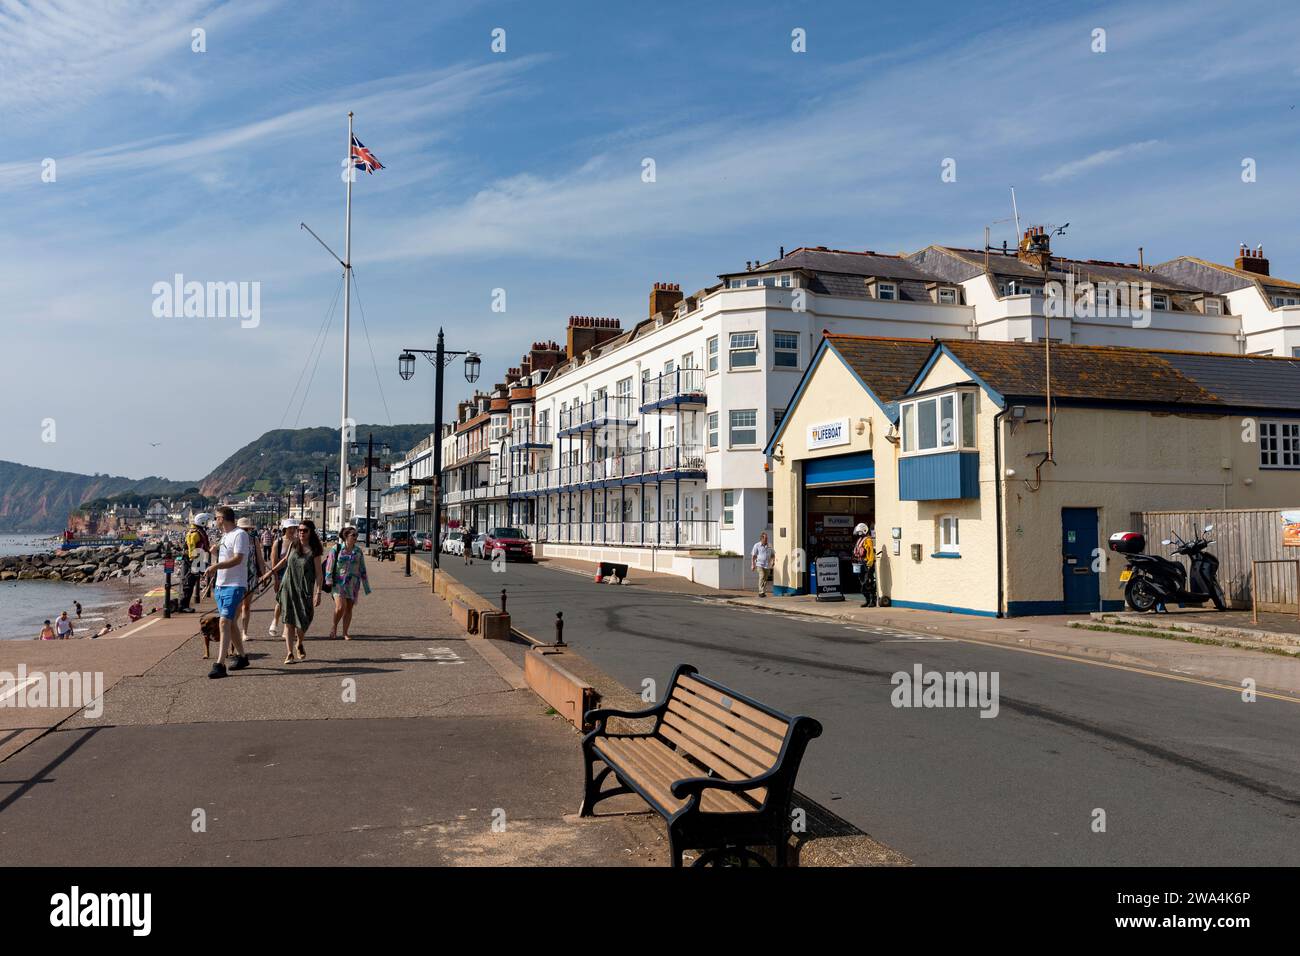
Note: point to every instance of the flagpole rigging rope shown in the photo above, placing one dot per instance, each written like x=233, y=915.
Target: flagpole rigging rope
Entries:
x=328, y=314
x=365, y=327
x=319, y=352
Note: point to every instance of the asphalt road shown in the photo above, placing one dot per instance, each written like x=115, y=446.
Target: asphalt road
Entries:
x=1186, y=774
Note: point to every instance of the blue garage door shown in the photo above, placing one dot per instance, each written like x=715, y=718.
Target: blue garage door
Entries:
x=839, y=469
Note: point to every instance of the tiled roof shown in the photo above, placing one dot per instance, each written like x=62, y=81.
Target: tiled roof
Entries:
x=886, y=365
x=1141, y=376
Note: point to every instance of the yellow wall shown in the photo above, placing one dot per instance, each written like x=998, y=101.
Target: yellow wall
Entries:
x=1122, y=461
x=832, y=393
x=1116, y=460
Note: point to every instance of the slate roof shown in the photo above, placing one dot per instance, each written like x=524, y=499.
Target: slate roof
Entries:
x=1220, y=277
x=841, y=273
x=886, y=365
x=1113, y=374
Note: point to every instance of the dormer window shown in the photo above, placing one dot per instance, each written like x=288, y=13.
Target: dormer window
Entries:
x=1214, y=307
x=887, y=291
x=1160, y=301
x=938, y=423
x=947, y=296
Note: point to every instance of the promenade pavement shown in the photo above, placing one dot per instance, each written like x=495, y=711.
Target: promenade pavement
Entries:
x=410, y=744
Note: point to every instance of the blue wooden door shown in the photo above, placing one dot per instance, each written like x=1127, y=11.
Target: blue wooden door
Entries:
x=1082, y=586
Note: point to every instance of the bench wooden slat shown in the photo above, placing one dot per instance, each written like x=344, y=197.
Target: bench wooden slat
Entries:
x=622, y=756
x=763, y=758
x=712, y=801
x=693, y=747
x=656, y=775
x=737, y=707
x=686, y=721
x=763, y=738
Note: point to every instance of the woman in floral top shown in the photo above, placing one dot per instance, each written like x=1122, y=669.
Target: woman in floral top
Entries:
x=345, y=573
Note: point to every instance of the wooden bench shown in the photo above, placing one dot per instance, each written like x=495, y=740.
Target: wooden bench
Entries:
x=719, y=767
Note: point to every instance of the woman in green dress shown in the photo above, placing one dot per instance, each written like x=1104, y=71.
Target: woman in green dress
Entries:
x=300, y=588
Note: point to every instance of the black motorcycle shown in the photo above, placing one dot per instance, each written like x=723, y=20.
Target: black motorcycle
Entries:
x=1152, y=581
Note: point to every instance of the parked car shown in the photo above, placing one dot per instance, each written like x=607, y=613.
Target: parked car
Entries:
x=452, y=543
x=512, y=542
x=397, y=540
x=421, y=541
x=477, y=545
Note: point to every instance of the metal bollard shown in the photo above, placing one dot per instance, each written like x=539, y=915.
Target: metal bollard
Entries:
x=559, y=628
x=503, y=600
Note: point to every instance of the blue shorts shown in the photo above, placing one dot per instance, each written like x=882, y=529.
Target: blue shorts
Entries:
x=228, y=600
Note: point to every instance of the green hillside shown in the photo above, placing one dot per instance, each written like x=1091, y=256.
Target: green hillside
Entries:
x=275, y=461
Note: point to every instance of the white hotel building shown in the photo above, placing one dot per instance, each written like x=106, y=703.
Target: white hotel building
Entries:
x=644, y=446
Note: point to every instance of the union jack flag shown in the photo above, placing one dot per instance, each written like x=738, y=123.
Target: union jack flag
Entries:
x=363, y=158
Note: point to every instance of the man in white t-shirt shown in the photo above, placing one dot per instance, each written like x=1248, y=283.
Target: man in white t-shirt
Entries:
x=63, y=627
x=231, y=586
x=761, y=559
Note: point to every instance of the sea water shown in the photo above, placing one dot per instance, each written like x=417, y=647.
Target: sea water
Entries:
x=25, y=605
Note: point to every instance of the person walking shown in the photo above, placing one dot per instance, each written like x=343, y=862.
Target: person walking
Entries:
x=77, y=605
x=256, y=568
x=288, y=535
x=47, y=632
x=231, y=577
x=193, y=563
x=469, y=543
x=268, y=540
x=761, y=559
x=864, y=564
x=63, y=627
x=301, y=577
x=346, y=576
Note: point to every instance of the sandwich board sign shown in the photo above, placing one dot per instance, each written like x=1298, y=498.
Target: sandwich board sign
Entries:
x=828, y=579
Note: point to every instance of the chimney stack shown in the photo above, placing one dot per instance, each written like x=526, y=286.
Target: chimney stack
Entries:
x=588, y=331
x=664, y=297
x=1036, y=248
x=1252, y=260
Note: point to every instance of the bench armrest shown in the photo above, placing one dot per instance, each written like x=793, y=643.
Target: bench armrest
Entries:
x=598, y=717
x=691, y=786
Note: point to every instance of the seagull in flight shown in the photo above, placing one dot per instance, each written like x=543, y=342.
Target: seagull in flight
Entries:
x=154, y=444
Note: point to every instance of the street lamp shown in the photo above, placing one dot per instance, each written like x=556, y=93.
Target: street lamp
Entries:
x=439, y=358
x=371, y=460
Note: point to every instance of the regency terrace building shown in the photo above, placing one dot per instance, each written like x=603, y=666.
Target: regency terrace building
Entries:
x=644, y=444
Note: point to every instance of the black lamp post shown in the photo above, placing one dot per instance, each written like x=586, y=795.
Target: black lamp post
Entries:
x=371, y=461
x=325, y=503
x=439, y=358
x=408, y=521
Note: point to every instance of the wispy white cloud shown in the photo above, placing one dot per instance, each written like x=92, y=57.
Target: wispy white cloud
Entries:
x=1103, y=157
x=57, y=55
x=410, y=99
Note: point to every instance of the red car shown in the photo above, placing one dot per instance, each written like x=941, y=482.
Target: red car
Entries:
x=511, y=541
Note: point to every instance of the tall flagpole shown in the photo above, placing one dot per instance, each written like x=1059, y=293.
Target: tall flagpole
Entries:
x=347, y=323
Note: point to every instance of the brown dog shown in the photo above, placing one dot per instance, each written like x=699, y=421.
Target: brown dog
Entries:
x=210, y=628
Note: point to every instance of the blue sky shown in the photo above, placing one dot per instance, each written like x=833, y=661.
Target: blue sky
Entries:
x=522, y=170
